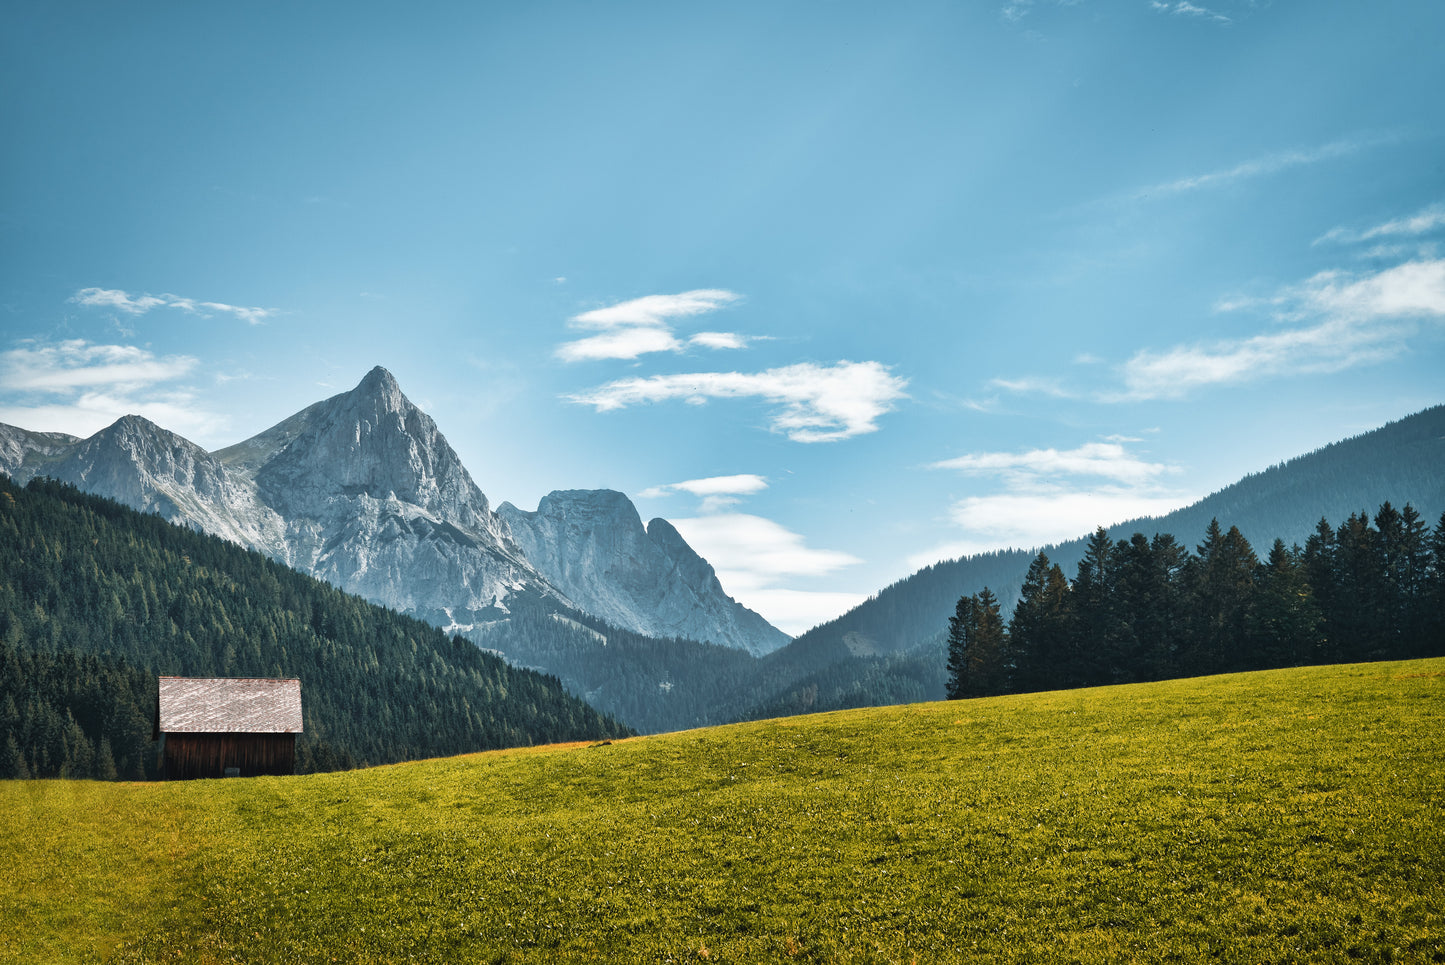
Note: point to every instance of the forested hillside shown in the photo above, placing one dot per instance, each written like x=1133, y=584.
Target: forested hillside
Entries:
x=1400, y=462
x=81, y=575
x=1149, y=609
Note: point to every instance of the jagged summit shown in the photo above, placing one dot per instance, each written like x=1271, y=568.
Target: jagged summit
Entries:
x=381, y=383
x=592, y=545
x=371, y=441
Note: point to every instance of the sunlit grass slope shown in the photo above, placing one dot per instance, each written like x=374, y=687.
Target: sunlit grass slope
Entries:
x=1293, y=815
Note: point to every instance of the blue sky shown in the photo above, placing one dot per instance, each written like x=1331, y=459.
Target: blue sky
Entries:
x=839, y=288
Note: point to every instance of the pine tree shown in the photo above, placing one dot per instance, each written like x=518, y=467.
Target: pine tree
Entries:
x=1039, y=629
x=1221, y=598
x=961, y=626
x=1286, y=626
x=1091, y=612
x=12, y=762
x=988, y=650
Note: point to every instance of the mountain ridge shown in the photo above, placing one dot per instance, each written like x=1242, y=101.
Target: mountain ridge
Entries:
x=362, y=489
x=1401, y=461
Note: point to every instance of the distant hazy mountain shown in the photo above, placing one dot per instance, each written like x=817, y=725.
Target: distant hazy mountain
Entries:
x=362, y=490
x=1401, y=462
x=591, y=544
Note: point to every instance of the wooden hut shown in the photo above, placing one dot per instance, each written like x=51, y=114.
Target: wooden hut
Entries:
x=227, y=726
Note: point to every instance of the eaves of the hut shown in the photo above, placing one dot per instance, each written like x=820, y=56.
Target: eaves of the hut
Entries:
x=228, y=726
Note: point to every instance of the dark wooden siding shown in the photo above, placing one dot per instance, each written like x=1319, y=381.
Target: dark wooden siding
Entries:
x=208, y=755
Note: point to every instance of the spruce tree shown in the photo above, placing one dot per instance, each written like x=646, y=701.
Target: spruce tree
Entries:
x=988, y=649
x=1091, y=613
x=961, y=626
x=1039, y=629
x=1286, y=626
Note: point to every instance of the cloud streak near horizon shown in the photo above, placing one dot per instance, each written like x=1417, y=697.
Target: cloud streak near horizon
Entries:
x=1052, y=495
x=78, y=387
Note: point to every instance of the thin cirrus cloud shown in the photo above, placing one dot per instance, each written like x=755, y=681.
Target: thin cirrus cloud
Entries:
x=1424, y=221
x=123, y=301
x=812, y=403
x=1260, y=166
x=78, y=387
x=1052, y=495
x=1183, y=8
x=1107, y=460
x=644, y=325
x=717, y=492
x=1356, y=319
x=1034, y=386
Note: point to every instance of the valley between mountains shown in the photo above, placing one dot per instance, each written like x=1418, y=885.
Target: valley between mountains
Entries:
x=363, y=491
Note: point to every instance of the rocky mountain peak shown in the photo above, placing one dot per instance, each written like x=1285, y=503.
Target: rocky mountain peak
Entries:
x=380, y=389
x=592, y=545
x=373, y=442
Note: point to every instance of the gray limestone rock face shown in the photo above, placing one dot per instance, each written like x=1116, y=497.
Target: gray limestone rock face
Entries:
x=25, y=454
x=138, y=463
x=377, y=502
x=593, y=546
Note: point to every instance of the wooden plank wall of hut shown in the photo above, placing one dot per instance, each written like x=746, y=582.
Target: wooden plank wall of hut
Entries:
x=208, y=755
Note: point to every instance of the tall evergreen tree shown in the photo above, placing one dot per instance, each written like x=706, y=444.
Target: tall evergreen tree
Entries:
x=962, y=626
x=1323, y=578
x=1220, y=599
x=1039, y=630
x=1086, y=661
x=1356, y=624
x=1432, y=606
x=1286, y=626
x=978, y=648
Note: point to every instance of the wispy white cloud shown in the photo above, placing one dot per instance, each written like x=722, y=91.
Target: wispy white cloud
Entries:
x=1183, y=8
x=80, y=387
x=722, y=340
x=1032, y=520
x=1034, y=386
x=73, y=364
x=717, y=492
x=814, y=403
x=118, y=300
x=1106, y=460
x=1052, y=495
x=643, y=325
x=756, y=561
x=1351, y=320
x=1015, y=10
x=1424, y=221
x=625, y=343
x=1259, y=167
x=123, y=301
x=655, y=309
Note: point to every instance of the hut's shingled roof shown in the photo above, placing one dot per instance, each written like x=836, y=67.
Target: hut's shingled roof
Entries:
x=230, y=705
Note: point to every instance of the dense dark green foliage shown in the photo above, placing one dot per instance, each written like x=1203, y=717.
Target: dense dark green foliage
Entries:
x=1144, y=609
x=81, y=575
x=69, y=714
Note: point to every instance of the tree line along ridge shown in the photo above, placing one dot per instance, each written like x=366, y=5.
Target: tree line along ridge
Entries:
x=1144, y=609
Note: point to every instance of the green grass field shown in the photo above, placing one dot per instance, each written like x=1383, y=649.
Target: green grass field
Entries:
x=1288, y=816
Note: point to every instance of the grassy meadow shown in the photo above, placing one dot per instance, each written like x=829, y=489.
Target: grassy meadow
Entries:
x=1284, y=816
